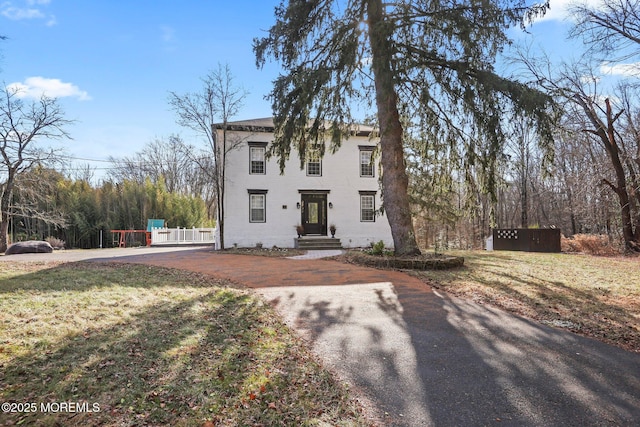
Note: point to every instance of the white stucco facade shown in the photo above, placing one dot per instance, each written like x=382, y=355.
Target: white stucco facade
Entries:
x=263, y=206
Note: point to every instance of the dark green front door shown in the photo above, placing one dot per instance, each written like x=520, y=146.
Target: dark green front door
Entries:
x=314, y=214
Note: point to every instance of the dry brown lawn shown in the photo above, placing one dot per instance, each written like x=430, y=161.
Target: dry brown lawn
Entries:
x=598, y=297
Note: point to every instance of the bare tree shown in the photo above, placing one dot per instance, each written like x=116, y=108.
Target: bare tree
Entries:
x=83, y=172
x=34, y=206
x=160, y=159
x=172, y=161
x=23, y=126
x=612, y=26
x=602, y=121
x=205, y=112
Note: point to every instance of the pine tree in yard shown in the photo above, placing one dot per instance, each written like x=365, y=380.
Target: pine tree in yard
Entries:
x=429, y=61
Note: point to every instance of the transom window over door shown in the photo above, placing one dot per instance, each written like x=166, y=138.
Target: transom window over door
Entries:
x=366, y=162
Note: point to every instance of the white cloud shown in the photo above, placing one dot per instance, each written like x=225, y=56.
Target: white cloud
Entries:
x=51, y=21
x=626, y=70
x=35, y=87
x=26, y=10
x=168, y=33
x=559, y=9
x=17, y=14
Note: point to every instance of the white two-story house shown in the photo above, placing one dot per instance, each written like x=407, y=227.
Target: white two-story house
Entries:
x=263, y=206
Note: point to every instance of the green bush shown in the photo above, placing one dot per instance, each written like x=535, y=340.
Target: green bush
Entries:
x=377, y=248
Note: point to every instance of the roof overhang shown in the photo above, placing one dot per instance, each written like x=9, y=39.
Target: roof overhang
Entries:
x=266, y=125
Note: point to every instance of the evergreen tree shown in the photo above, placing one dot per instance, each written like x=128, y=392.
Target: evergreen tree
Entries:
x=431, y=61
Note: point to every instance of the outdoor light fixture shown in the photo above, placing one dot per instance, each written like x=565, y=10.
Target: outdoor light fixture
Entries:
x=298, y=205
x=330, y=205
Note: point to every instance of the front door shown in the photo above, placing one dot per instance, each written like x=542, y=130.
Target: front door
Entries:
x=314, y=214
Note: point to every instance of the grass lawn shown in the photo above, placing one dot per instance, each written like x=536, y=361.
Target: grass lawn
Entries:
x=137, y=345
x=594, y=296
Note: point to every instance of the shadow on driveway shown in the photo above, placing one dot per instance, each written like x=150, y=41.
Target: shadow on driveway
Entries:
x=427, y=359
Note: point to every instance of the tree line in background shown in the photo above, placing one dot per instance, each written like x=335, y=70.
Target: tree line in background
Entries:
x=593, y=183
x=48, y=204
x=460, y=183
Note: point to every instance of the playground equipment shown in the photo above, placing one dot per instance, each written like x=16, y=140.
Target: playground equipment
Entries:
x=128, y=238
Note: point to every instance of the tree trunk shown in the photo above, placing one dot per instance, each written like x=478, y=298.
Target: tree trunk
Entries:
x=395, y=181
x=524, y=178
x=4, y=232
x=4, y=212
x=621, y=182
x=606, y=133
x=569, y=193
x=524, y=206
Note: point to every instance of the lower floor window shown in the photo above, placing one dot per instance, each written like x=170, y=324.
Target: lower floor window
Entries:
x=257, y=208
x=367, y=207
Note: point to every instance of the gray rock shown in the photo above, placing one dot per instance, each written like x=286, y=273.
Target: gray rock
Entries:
x=30, y=247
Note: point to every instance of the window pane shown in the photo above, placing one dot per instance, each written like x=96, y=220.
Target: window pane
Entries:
x=257, y=208
x=257, y=153
x=257, y=167
x=313, y=213
x=257, y=201
x=313, y=168
x=314, y=165
x=367, y=208
x=257, y=160
x=366, y=167
x=257, y=215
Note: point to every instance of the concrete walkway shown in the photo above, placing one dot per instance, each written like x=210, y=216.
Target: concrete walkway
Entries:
x=424, y=358
x=317, y=254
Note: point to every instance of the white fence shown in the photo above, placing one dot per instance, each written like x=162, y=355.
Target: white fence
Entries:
x=182, y=236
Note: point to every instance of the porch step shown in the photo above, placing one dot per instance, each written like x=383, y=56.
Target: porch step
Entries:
x=317, y=243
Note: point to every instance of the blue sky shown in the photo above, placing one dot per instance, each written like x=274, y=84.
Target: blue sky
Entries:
x=112, y=63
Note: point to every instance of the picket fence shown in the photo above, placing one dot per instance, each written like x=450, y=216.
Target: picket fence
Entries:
x=182, y=236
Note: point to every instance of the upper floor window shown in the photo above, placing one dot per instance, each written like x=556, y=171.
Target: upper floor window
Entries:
x=257, y=153
x=314, y=163
x=366, y=162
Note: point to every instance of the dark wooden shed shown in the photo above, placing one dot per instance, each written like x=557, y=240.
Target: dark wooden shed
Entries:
x=526, y=239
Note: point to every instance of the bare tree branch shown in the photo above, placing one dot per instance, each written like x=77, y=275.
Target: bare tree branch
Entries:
x=23, y=127
x=205, y=112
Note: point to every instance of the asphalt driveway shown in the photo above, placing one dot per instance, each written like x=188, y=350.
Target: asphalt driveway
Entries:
x=423, y=358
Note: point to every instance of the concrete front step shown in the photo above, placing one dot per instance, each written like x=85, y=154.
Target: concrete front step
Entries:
x=317, y=243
